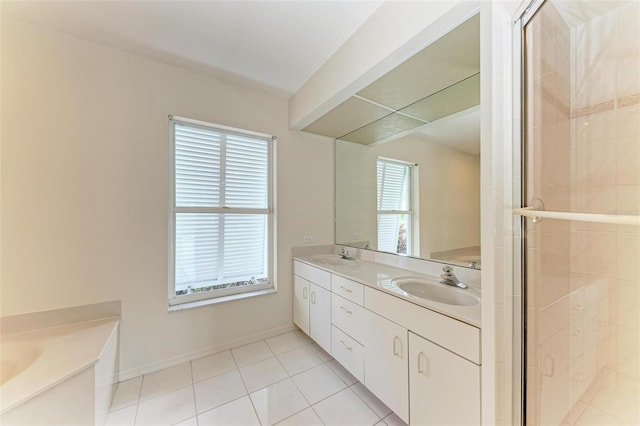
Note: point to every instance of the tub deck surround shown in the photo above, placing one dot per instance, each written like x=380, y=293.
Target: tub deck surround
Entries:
x=36, y=361
x=379, y=276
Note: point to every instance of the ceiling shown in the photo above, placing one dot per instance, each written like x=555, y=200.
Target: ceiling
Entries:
x=276, y=44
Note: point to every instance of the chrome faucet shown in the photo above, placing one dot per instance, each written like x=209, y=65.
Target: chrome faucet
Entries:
x=449, y=278
x=344, y=253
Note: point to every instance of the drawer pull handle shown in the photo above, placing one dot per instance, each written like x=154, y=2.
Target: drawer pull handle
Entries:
x=304, y=292
x=348, y=290
x=346, y=310
x=313, y=297
x=423, y=368
x=347, y=347
x=397, y=349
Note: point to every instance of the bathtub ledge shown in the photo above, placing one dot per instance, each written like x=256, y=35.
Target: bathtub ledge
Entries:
x=63, y=352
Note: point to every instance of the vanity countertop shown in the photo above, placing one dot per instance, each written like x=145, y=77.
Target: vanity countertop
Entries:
x=379, y=276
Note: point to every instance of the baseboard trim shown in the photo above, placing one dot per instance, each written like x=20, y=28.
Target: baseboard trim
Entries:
x=190, y=356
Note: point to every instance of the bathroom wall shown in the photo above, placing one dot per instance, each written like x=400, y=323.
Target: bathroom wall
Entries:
x=448, y=190
x=85, y=181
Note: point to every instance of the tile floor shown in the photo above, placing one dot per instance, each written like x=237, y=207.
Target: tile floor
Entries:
x=284, y=380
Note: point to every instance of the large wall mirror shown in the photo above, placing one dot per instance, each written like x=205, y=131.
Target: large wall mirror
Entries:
x=407, y=155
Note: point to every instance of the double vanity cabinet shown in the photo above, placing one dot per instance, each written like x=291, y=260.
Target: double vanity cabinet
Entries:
x=424, y=365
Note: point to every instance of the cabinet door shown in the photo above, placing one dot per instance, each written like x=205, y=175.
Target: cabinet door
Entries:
x=320, y=316
x=444, y=387
x=386, y=363
x=301, y=303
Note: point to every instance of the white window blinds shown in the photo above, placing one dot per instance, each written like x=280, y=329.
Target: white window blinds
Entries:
x=221, y=213
x=394, y=205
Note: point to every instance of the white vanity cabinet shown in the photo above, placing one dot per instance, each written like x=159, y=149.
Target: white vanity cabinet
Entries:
x=444, y=387
x=386, y=363
x=320, y=316
x=348, y=318
x=442, y=378
x=312, y=303
x=425, y=366
x=301, y=303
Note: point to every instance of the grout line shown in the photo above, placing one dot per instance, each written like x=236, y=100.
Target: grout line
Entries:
x=193, y=391
x=135, y=417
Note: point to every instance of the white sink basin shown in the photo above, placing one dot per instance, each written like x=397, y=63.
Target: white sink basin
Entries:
x=434, y=291
x=332, y=259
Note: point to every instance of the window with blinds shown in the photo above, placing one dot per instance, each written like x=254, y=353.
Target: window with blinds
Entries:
x=221, y=213
x=394, y=205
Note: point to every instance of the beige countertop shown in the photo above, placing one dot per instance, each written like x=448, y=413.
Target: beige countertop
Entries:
x=380, y=276
x=41, y=359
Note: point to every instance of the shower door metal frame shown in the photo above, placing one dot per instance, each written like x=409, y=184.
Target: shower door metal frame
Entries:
x=524, y=14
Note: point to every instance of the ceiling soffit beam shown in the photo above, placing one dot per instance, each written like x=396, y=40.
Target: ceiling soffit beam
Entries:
x=394, y=33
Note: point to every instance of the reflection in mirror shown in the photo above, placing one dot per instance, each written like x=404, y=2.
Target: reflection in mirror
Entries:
x=408, y=154
x=418, y=195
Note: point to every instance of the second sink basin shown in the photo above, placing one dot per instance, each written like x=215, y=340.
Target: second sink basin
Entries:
x=433, y=290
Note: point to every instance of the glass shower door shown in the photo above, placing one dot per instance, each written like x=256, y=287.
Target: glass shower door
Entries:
x=582, y=249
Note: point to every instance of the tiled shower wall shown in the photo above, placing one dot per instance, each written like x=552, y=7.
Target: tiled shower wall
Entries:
x=548, y=169
x=605, y=178
x=583, y=124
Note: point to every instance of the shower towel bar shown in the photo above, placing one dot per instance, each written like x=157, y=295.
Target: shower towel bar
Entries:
x=582, y=217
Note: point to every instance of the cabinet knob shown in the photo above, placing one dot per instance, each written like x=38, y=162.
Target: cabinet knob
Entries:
x=313, y=297
x=348, y=290
x=304, y=292
x=346, y=310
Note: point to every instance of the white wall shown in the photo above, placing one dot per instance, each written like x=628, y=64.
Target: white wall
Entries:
x=85, y=180
x=448, y=186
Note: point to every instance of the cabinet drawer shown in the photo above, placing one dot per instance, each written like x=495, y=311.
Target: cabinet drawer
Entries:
x=348, y=289
x=315, y=275
x=348, y=352
x=348, y=317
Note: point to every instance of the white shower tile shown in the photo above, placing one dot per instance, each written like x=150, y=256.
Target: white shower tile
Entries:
x=628, y=161
x=628, y=256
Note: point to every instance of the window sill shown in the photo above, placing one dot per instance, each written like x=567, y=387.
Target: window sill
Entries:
x=222, y=299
